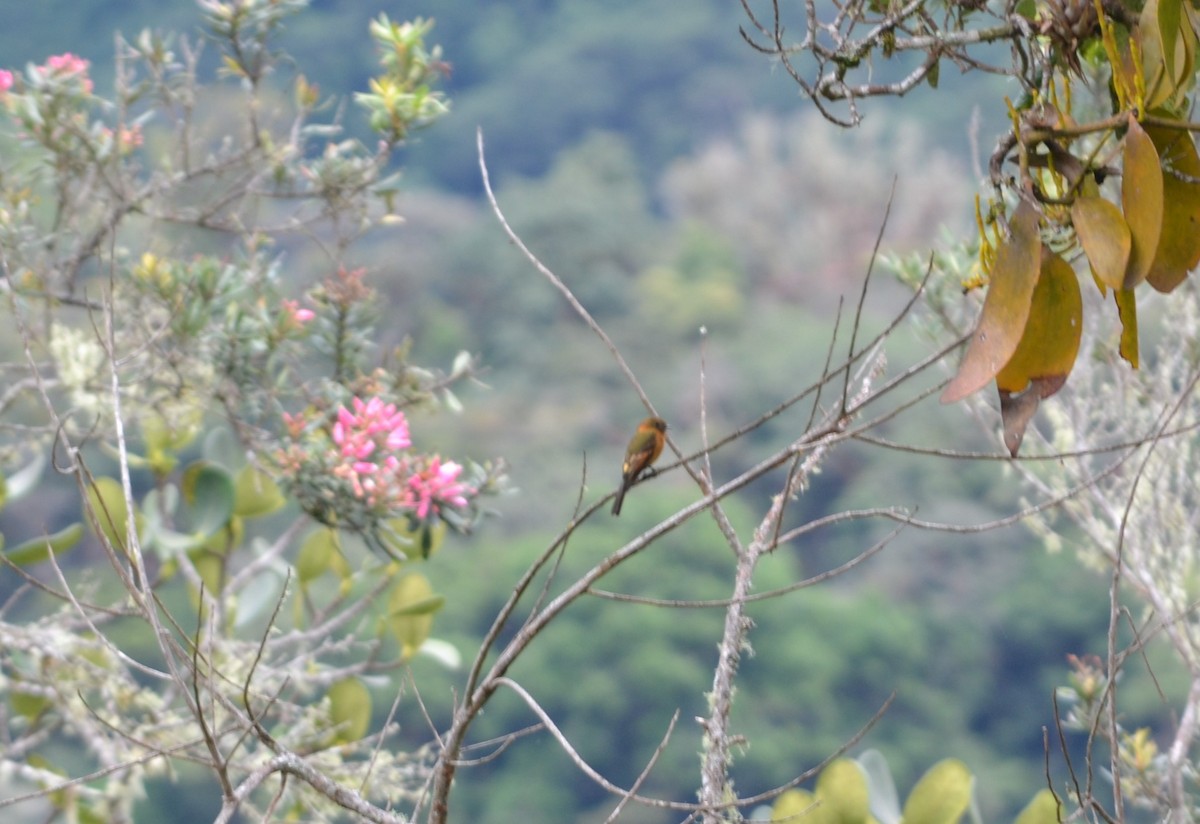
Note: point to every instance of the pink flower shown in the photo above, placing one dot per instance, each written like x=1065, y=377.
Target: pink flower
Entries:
x=126, y=139
x=6, y=80
x=67, y=63
x=129, y=138
x=367, y=440
x=436, y=486
x=295, y=314
x=71, y=64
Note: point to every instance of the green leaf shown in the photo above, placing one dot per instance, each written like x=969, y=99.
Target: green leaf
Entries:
x=208, y=490
x=425, y=606
x=210, y=567
x=36, y=550
x=411, y=630
x=413, y=539
x=797, y=805
x=1042, y=809
x=256, y=493
x=317, y=553
x=842, y=789
x=27, y=704
x=350, y=710
x=106, y=500
x=1169, y=13
x=942, y=795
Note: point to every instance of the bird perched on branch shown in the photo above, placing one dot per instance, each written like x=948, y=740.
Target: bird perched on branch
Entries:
x=644, y=448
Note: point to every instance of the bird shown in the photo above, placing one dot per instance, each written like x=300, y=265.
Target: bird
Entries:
x=644, y=448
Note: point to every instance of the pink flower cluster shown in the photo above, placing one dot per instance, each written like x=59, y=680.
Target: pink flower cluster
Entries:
x=67, y=63
x=436, y=485
x=60, y=65
x=358, y=433
x=70, y=64
x=368, y=450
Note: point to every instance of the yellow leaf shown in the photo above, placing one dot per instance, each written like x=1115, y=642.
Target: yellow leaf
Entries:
x=1179, y=243
x=1050, y=341
x=1047, y=350
x=842, y=789
x=1127, y=309
x=797, y=805
x=1043, y=809
x=942, y=796
x=1104, y=236
x=1142, y=199
x=1006, y=308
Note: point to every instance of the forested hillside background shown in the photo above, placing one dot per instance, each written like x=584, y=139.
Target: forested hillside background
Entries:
x=674, y=180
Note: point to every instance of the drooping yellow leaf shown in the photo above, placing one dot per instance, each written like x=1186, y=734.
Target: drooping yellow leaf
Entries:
x=1050, y=340
x=1006, y=308
x=1142, y=199
x=1179, y=242
x=1104, y=236
x=1127, y=310
x=1047, y=349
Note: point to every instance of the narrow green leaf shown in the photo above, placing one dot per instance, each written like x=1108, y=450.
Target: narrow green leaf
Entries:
x=425, y=606
x=36, y=550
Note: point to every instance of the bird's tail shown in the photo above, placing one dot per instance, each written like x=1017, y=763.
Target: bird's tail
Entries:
x=616, y=509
